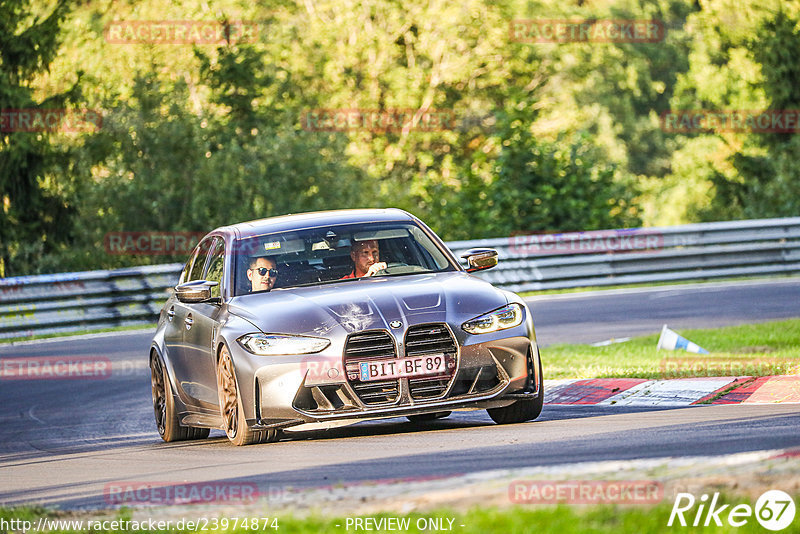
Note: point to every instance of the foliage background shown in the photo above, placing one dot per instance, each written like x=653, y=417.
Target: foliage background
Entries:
x=549, y=137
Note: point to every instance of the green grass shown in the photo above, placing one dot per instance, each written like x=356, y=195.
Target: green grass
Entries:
x=562, y=519
x=586, y=289
x=151, y=326
x=760, y=349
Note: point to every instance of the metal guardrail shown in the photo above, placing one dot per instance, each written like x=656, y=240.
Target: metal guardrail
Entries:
x=644, y=255
x=99, y=299
x=70, y=302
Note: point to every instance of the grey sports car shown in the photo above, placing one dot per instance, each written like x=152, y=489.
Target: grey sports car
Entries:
x=318, y=320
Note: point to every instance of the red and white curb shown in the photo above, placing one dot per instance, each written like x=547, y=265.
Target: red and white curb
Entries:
x=676, y=392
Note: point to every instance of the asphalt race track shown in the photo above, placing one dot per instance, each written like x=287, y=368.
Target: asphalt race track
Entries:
x=63, y=442
x=586, y=318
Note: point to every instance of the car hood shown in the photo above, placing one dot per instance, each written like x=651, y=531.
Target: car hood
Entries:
x=369, y=304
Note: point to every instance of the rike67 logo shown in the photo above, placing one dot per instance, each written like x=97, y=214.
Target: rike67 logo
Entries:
x=774, y=510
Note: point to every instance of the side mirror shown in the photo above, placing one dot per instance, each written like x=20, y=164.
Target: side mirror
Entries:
x=194, y=291
x=480, y=259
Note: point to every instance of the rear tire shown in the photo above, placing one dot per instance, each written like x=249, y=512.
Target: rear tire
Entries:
x=169, y=428
x=230, y=405
x=426, y=417
x=522, y=410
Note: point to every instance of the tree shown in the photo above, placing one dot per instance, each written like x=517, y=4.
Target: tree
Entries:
x=35, y=215
x=761, y=176
x=164, y=167
x=538, y=185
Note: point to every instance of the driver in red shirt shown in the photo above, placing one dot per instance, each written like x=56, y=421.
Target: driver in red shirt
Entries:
x=365, y=256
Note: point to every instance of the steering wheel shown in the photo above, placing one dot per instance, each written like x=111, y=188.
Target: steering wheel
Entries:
x=390, y=266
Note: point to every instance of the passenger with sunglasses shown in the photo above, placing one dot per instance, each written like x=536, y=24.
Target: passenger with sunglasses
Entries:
x=262, y=273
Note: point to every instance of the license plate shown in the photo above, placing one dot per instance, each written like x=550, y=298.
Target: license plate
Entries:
x=430, y=364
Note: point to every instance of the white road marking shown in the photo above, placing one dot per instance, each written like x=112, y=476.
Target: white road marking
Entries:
x=30, y=414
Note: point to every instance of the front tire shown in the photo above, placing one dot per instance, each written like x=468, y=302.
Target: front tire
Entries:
x=169, y=428
x=521, y=410
x=230, y=405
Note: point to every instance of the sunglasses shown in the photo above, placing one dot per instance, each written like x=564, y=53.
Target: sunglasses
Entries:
x=263, y=271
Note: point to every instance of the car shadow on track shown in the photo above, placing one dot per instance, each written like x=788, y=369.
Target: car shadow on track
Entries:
x=457, y=420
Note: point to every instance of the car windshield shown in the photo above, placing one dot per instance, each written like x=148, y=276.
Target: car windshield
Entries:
x=323, y=255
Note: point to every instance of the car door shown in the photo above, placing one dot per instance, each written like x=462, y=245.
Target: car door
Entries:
x=183, y=335
x=176, y=313
x=201, y=325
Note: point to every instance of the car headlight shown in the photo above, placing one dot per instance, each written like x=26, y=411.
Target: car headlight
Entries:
x=506, y=317
x=276, y=344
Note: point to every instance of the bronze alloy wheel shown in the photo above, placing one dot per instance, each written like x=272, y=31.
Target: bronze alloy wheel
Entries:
x=228, y=397
x=230, y=406
x=159, y=394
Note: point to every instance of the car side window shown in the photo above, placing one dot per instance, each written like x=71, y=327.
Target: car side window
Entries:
x=186, y=268
x=199, y=262
x=215, y=267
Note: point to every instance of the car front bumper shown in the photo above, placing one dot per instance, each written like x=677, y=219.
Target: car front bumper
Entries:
x=315, y=391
